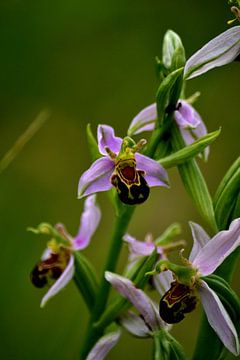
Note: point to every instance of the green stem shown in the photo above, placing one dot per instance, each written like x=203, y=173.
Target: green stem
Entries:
x=121, y=223
x=157, y=349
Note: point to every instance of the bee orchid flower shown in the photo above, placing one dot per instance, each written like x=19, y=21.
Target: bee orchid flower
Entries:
x=56, y=267
x=188, y=282
x=123, y=167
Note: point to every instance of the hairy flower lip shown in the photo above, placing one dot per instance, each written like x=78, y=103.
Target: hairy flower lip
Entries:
x=97, y=177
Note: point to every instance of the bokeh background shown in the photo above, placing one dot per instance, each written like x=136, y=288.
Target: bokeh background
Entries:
x=90, y=62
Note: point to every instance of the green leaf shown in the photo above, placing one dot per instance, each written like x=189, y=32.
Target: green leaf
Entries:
x=189, y=151
x=85, y=279
x=194, y=183
x=168, y=94
x=226, y=196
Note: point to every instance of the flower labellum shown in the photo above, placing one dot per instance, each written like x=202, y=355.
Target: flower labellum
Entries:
x=131, y=186
x=47, y=271
x=177, y=301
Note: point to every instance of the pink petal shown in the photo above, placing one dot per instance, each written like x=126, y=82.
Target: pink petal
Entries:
x=218, y=318
x=96, y=178
x=137, y=297
x=186, y=116
x=156, y=175
x=191, y=125
x=88, y=223
x=144, y=120
x=134, y=324
x=104, y=345
x=60, y=283
x=107, y=138
x=140, y=248
x=218, y=249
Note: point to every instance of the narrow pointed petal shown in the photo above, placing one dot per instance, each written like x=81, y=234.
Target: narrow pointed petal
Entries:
x=107, y=138
x=162, y=282
x=218, y=249
x=137, y=297
x=60, y=283
x=88, y=223
x=134, y=324
x=221, y=50
x=156, y=175
x=96, y=178
x=140, y=248
x=186, y=116
x=144, y=120
x=200, y=239
x=218, y=318
x=104, y=345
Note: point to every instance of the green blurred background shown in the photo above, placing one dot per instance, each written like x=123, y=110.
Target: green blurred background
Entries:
x=90, y=62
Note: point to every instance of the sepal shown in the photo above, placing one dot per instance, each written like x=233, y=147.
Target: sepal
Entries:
x=119, y=304
x=104, y=345
x=221, y=50
x=228, y=297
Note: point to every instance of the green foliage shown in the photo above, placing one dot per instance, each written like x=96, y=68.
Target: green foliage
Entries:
x=226, y=197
